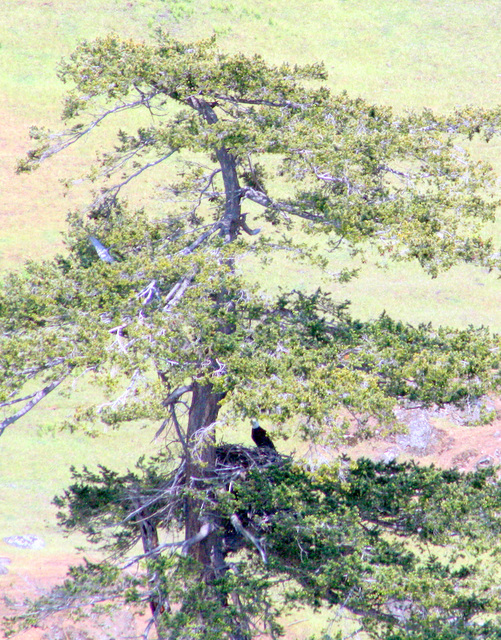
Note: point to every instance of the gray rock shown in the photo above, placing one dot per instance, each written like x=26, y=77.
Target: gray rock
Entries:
x=420, y=432
x=388, y=456
x=486, y=461
x=25, y=542
x=3, y=565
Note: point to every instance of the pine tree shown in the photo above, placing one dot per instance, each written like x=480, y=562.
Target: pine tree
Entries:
x=158, y=310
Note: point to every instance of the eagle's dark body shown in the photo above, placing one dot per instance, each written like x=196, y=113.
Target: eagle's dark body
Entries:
x=260, y=437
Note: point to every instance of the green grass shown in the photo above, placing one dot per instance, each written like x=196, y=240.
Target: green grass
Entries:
x=465, y=295
x=35, y=467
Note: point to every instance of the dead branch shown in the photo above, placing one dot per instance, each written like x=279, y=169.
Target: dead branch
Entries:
x=235, y=521
x=112, y=192
x=200, y=240
x=203, y=532
x=245, y=226
x=73, y=136
x=177, y=292
x=34, y=400
x=101, y=250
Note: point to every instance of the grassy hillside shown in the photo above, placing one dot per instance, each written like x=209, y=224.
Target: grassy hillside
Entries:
x=407, y=54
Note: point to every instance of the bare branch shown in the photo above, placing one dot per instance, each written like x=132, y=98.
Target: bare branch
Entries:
x=201, y=192
x=257, y=196
x=149, y=292
x=34, y=400
x=203, y=532
x=282, y=207
x=74, y=135
x=8, y=403
x=102, y=251
x=267, y=103
x=235, y=521
x=115, y=189
x=121, y=400
x=245, y=227
x=175, y=395
x=148, y=628
x=160, y=429
x=186, y=545
x=179, y=431
x=177, y=292
x=194, y=245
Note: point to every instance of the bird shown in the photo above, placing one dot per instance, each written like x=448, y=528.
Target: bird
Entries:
x=260, y=437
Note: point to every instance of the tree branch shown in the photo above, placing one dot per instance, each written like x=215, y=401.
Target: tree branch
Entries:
x=179, y=431
x=175, y=395
x=245, y=226
x=34, y=400
x=259, y=197
x=74, y=135
x=115, y=189
x=177, y=292
x=200, y=240
x=266, y=103
x=101, y=250
x=203, y=532
x=235, y=521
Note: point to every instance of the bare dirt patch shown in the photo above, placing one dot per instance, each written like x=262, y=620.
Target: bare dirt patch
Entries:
x=440, y=437
x=31, y=578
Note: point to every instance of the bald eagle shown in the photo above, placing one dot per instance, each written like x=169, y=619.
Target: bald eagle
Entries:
x=260, y=437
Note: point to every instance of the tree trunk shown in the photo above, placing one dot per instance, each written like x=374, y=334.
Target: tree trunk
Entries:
x=205, y=403
x=232, y=208
x=201, y=455
x=230, y=221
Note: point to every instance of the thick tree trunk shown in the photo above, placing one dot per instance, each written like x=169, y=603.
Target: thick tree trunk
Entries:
x=204, y=409
x=205, y=403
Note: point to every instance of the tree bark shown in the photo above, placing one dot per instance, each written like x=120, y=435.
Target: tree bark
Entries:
x=230, y=221
x=205, y=403
x=201, y=456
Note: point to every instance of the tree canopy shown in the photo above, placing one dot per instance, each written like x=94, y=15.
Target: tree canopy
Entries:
x=159, y=313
